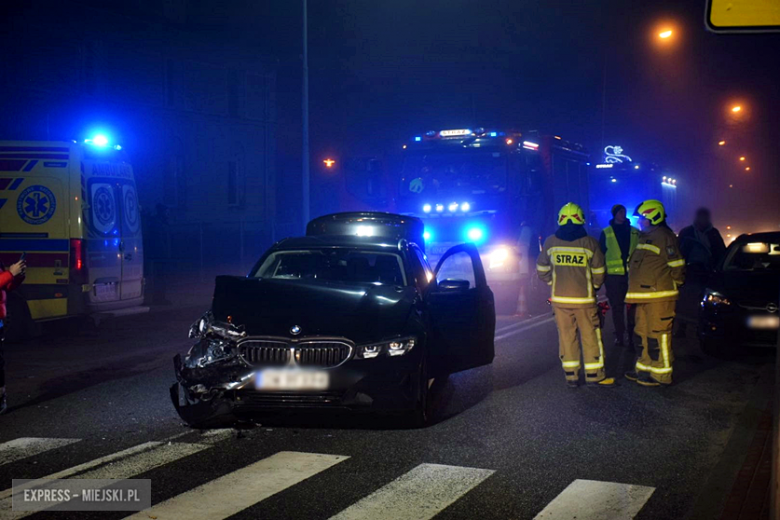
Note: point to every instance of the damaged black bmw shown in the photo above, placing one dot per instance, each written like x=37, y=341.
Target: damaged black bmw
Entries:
x=350, y=317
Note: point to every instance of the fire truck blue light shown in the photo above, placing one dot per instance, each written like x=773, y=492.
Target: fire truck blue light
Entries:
x=439, y=208
x=418, y=138
x=427, y=208
x=465, y=206
x=98, y=140
x=453, y=207
x=475, y=234
x=427, y=235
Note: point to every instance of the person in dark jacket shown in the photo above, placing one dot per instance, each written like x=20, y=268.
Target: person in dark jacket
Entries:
x=701, y=244
x=703, y=248
x=10, y=279
x=618, y=241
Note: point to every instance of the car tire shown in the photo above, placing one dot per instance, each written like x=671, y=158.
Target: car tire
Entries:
x=419, y=416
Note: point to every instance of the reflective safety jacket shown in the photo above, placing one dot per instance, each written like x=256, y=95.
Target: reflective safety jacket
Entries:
x=656, y=269
x=575, y=270
x=614, y=256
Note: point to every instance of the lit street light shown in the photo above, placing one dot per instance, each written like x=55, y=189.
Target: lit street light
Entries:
x=329, y=163
x=665, y=34
x=742, y=158
x=736, y=109
x=721, y=143
x=747, y=169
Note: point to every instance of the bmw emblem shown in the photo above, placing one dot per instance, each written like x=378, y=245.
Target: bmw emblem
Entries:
x=295, y=330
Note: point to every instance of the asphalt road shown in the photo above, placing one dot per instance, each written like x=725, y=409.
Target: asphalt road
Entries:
x=508, y=440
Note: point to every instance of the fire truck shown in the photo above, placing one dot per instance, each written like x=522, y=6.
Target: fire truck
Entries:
x=499, y=189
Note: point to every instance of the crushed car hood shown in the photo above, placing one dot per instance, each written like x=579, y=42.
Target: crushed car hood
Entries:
x=361, y=313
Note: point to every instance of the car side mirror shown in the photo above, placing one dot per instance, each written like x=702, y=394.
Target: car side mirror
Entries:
x=450, y=285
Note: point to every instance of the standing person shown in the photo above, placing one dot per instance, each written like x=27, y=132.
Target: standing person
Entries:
x=618, y=241
x=656, y=270
x=10, y=279
x=703, y=248
x=571, y=262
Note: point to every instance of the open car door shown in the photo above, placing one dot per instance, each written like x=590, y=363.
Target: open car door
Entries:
x=462, y=313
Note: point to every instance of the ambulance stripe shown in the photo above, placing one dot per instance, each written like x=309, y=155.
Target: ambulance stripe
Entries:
x=54, y=157
x=418, y=495
x=2, y=202
x=18, y=182
x=242, y=488
x=24, y=447
x=5, y=181
x=21, y=244
x=30, y=166
x=594, y=500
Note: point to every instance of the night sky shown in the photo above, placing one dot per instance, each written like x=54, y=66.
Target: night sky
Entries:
x=381, y=72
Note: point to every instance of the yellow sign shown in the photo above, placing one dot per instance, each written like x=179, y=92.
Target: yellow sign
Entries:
x=743, y=15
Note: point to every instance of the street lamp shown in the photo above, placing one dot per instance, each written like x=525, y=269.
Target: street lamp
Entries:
x=736, y=109
x=742, y=158
x=747, y=169
x=665, y=34
x=721, y=143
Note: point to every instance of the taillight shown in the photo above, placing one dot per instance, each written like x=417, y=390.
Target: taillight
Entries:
x=78, y=268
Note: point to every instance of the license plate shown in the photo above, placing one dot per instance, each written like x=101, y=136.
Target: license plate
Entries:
x=764, y=322
x=292, y=380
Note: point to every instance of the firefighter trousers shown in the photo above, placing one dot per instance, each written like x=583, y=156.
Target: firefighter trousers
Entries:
x=570, y=320
x=654, y=327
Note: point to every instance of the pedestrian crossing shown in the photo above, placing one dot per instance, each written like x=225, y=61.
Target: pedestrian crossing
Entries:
x=419, y=494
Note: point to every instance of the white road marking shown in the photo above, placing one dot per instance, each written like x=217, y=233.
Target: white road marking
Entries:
x=242, y=488
x=123, y=464
x=521, y=323
x=594, y=500
x=24, y=447
x=548, y=319
x=420, y=494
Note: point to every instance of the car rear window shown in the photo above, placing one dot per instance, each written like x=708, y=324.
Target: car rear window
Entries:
x=337, y=265
x=753, y=256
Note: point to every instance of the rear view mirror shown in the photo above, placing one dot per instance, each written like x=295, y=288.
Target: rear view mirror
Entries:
x=450, y=285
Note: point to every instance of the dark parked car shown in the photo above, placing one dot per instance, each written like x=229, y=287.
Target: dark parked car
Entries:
x=740, y=303
x=350, y=317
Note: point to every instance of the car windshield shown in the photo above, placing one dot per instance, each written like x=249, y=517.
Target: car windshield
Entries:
x=454, y=173
x=335, y=265
x=754, y=256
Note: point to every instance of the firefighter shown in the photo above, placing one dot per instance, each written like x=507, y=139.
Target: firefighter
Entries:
x=618, y=241
x=572, y=263
x=656, y=270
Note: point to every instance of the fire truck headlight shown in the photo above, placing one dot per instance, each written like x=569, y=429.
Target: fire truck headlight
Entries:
x=427, y=208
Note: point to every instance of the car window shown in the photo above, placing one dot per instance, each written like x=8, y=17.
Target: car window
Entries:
x=753, y=256
x=459, y=266
x=427, y=274
x=337, y=265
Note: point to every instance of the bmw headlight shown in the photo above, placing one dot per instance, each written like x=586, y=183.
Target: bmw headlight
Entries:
x=714, y=298
x=209, y=350
x=392, y=348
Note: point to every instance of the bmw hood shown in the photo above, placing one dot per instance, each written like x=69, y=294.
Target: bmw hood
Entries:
x=290, y=308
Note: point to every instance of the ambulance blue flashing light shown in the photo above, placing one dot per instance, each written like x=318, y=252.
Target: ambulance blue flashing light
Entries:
x=427, y=235
x=426, y=208
x=102, y=141
x=417, y=138
x=493, y=134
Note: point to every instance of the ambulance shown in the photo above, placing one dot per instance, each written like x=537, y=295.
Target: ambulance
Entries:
x=72, y=210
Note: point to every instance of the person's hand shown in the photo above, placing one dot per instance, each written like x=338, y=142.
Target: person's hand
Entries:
x=18, y=268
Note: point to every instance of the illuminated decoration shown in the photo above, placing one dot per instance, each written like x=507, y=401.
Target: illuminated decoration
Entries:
x=329, y=163
x=465, y=206
x=528, y=145
x=601, y=166
x=614, y=154
x=455, y=133
x=426, y=208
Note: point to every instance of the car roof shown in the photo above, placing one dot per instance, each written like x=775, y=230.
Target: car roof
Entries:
x=766, y=236
x=346, y=241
